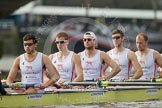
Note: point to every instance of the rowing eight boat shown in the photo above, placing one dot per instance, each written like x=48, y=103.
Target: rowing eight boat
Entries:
x=82, y=96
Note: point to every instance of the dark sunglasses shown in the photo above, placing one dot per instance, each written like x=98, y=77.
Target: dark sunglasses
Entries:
x=60, y=42
x=28, y=44
x=115, y=37
x=87, y=39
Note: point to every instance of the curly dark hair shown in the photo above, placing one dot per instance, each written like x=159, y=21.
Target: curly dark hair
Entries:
x=30, y=36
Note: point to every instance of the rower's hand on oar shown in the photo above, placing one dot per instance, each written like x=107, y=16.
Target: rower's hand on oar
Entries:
x=101, y=79
x=78, y=87
x=122, y=79
x=42, y=86
x=14, y=86
x=63, y=84
x=60, y=83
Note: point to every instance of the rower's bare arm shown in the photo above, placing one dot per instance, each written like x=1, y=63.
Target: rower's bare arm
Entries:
x=104, y=70
x=158, y=58
x=47, y=74
x=110, y=62
x=158, y=61
x=51, y=57
x=160, y=73
x=51, y=69
x=13, y=71
x=137, y=68
x=78, y=68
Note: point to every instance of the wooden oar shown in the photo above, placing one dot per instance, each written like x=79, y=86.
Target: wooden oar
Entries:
x=107, y=83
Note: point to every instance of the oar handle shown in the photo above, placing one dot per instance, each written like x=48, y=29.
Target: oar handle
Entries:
x=156, y=80
x=22, y=86
x=100, y=83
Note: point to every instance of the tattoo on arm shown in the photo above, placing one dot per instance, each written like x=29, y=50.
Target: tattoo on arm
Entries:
x=49, y=74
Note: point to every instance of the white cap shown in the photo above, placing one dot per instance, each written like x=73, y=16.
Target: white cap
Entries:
x=89, y=34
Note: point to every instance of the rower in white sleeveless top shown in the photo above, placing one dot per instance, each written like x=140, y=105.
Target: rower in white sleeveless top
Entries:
x=31, y=65
x=124, y=57
x=122, y=60
x=148, y=58
x=31, y=71
x=92, y=66
x=148, y=65
x=64, y=67
x=92, y=59
x=67, y=63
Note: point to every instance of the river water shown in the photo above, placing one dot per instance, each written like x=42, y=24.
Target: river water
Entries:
x=147, y=104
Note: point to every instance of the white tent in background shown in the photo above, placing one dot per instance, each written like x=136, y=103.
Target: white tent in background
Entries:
x=25, y=9
x=33, y=8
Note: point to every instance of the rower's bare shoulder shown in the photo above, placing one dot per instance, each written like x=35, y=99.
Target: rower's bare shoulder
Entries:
x=17, y=58
x=17, y=61
x=131, y=55
x=103, y=53
x=50, y=56
x=104, y=56
x=76, y=57
x=131, y=52
x=45, y=59
x=79, y=53
x=156, y=54
x=44, y=56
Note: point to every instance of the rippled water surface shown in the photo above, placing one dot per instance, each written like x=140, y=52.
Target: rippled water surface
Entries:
x=147, y=104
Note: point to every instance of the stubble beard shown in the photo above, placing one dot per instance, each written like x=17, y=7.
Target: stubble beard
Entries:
x=141, y=50
x=118, y=46
x=29, y=52
x=89, y=48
